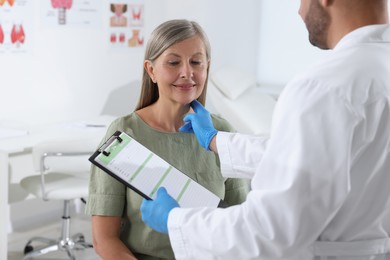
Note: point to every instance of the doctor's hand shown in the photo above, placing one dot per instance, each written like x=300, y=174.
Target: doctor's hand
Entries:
x=155, y=212
x=199, y=123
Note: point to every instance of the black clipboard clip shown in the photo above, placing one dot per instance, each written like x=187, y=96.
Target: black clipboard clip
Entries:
x=103, y=148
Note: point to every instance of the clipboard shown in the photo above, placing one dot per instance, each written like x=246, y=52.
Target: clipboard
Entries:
x=143, y=171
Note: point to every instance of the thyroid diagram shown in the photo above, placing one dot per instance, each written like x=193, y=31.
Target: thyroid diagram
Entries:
x=17, y=35
x=1, y=35
x=10, y=2
x=62, y=6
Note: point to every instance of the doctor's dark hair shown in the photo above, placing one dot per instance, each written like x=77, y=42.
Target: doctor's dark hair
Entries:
x=163, y=37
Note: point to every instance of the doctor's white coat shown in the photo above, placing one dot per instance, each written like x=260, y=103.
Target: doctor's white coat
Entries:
x=321, y=182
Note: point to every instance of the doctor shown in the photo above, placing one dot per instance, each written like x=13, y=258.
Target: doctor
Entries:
x=321, y=182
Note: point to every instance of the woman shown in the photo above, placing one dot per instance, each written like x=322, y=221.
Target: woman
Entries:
x=175, y=73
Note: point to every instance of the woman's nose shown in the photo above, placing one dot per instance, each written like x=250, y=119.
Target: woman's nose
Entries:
x=186, y=71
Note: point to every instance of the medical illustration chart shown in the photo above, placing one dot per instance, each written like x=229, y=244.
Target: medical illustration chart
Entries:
x=71, y=13
x=143, y=171
x=126, y=23
x=16, y=23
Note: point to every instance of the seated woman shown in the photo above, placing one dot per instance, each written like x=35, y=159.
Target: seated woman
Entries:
x=176, y=67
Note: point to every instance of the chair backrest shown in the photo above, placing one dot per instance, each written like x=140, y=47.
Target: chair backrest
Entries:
x=232, y=81
x=235, y=96
x=65, y=155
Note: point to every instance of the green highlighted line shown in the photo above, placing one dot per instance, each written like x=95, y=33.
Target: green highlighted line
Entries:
x=140, y=168
x=160, y=181
x=183, y=190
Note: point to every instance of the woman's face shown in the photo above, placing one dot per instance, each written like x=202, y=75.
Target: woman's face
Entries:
x=180, y=71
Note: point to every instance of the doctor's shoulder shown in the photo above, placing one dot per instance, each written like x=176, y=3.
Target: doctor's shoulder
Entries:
x=221, y=124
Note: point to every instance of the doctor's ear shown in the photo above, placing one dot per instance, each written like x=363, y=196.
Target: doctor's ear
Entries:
x=326, y=3
x=148, y=66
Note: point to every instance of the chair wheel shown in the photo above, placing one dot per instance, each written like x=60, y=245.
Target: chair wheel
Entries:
x=28, y=249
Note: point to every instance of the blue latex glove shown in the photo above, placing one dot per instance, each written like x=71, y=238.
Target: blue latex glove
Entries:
x=199, y=123
x=155, y=212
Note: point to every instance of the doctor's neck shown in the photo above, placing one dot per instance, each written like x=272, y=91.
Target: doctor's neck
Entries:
x=349, y=15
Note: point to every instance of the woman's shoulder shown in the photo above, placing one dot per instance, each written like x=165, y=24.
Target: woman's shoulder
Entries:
x=221, y=124
x=122, y=123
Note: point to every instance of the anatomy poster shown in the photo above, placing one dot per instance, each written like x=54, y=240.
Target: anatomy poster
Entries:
x=16, y=26
x=71, y=13
x=126, y=23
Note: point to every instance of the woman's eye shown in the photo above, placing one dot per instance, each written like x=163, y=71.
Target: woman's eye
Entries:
x=173, y=63
x=196, y=62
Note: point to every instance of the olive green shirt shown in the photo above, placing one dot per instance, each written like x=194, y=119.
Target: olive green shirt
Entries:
x=109, y=197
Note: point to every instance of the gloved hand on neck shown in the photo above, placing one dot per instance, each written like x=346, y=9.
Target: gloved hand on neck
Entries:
x=201, y=124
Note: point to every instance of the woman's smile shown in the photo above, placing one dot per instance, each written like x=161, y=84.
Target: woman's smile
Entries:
x=184, y=86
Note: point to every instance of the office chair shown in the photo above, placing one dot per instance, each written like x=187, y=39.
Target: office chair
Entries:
x=64, y=175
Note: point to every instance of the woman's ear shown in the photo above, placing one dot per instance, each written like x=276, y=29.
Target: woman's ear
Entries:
x=148, y=66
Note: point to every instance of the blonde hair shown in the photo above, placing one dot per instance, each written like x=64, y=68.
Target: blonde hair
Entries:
x=163, y=37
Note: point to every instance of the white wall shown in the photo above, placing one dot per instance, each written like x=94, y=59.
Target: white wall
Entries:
x=283, y=46
x=231, y=26
x=70, y=72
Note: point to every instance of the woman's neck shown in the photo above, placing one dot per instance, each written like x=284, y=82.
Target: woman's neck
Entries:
x=165, y=118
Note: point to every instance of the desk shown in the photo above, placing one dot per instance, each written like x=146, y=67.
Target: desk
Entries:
x=23, y=144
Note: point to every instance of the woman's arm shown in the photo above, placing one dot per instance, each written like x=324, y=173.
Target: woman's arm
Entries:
x=106, y=241
x=236, y=190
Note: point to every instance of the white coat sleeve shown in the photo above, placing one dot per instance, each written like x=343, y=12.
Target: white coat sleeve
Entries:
x=300, y=184
x=240, y=154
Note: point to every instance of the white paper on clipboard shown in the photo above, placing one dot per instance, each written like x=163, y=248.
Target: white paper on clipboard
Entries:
x=140, y=169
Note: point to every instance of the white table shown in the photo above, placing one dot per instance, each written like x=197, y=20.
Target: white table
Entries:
x=23, y=144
